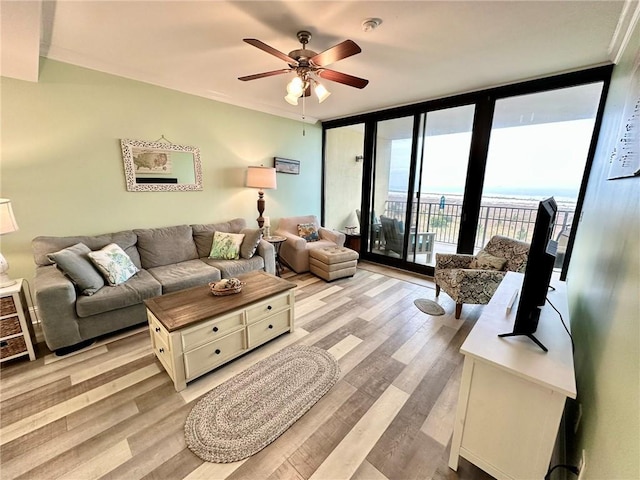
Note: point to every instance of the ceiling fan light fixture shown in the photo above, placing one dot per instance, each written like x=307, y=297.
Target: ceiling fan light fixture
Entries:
x=321, y=92
x=295, y=86
x=292, y=99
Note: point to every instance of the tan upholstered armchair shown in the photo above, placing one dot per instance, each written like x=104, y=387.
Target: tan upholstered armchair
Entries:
x=475, y=278
x=295, y=250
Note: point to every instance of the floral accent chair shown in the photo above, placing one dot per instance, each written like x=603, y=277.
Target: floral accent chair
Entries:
x=475, y=278
x=303, y=234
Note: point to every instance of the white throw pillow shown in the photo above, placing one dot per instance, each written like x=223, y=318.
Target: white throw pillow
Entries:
x=114, y=264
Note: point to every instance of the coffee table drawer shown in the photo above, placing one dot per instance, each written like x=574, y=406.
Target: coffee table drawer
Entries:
x=211, y=330
x=208, y=356
x=265, y=309
x=163, y=352
x=269, y=328
x=157, y=329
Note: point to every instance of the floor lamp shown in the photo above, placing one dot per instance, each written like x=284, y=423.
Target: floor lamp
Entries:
x=261, y=178
x=8, y=224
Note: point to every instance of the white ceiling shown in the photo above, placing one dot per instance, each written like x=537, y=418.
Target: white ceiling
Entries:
x=422, y=50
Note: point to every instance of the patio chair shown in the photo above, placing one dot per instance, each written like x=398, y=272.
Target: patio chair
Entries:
x=393, y=235
x=375, y=226
x=474, y=278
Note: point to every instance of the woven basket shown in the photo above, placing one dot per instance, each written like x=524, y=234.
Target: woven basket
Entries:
x=7, y=307
x=12, y=346
x=10, y=326
x=227, y=291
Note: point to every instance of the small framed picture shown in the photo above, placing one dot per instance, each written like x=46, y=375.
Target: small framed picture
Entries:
x=284, y=165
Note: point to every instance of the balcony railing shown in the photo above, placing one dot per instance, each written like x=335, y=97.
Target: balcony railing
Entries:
x=513, y=222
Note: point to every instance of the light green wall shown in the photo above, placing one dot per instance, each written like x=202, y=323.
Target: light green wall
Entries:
x=62, y=165
x=604, y=294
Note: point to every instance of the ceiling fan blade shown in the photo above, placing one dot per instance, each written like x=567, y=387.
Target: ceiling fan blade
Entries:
x=264, y=74
x=340, y=77
x=335, y=53
x=264, y=47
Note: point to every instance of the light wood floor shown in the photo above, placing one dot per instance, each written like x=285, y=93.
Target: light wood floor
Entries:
x=110, y=411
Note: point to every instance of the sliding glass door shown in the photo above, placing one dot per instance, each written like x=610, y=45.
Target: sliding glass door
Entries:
x=444, y=142
x=418, y=180
x=538, y=148
x=446, y=175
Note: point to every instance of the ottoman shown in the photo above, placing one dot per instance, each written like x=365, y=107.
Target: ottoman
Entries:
x=331, y=263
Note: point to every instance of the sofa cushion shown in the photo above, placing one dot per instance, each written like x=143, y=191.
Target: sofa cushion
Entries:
x=233, y=268
x=138, y=288
x=44, y=245
x=203, y=234
x=226, y=246
x=179, y=276
x=75, y=264
x=114, y=264
x=250, y=242
x=165, y=246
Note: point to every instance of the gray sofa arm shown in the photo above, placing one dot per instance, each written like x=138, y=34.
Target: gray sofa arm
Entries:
x=333, y=235
x=268, y=253
x=55, y=297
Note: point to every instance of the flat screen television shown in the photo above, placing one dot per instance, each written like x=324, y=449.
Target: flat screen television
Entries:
x=537, y=275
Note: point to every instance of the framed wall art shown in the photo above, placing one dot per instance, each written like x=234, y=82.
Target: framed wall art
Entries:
x=161, y=167
x=284, y=165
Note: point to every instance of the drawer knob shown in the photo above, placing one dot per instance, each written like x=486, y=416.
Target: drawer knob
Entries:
x=269, y=307
x=157, y=329
x=4, y=344
x=161, y=350
x=270, y=326
x=215, y=329
x=218, y=351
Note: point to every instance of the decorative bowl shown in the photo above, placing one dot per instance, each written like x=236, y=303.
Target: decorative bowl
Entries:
x=226, y=286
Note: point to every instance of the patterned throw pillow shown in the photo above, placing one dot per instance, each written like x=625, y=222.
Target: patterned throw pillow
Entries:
x=226, y=246
x=308, y=232
x=114, y=264
x=486, y=261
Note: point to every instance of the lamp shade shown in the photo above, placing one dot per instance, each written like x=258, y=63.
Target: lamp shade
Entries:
x=8, y=222
x=261, y=177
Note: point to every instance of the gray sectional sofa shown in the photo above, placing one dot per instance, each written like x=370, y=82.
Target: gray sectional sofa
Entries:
x=169, y=259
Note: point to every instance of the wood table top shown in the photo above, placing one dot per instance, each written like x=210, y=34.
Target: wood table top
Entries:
x=183, y=308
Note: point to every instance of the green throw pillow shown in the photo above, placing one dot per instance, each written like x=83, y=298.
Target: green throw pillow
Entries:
x=74, y=263
x=114, y=264
x=226, y=246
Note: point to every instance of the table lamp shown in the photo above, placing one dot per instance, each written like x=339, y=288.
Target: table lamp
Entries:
x=261, y=178
x=8, y=224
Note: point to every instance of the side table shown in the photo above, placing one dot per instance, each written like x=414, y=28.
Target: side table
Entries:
x=352, y=241
x=277, y=242
x=16, y=329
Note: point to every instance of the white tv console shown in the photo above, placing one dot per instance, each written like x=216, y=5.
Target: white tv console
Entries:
x=512, y=394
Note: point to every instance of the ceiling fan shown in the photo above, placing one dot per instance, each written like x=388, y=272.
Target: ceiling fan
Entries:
x=307, y=64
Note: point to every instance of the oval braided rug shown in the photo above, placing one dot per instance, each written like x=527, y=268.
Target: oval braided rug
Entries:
x=249, y=411
x=428, y=306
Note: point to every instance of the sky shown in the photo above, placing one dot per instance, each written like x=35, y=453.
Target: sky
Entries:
x=535, y=159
